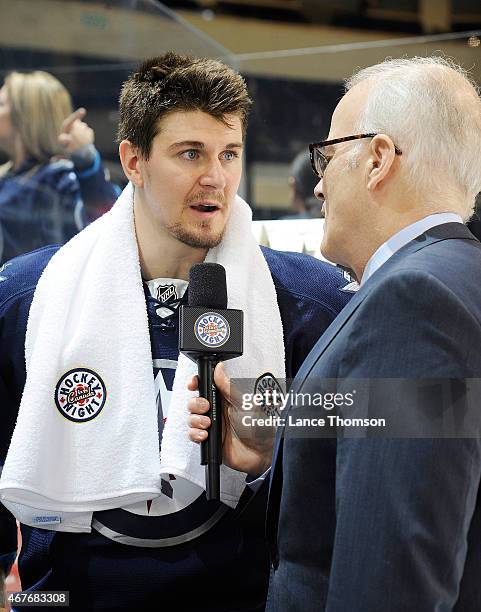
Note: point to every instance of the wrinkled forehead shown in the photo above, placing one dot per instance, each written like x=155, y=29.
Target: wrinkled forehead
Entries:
x=347, y=112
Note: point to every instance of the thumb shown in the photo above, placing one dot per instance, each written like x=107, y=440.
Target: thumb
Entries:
x=222, y=381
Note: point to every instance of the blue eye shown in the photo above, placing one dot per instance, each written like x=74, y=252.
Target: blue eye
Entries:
x=230, y=155
x=190, y=155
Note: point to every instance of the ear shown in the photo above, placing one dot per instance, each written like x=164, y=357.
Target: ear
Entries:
x=131, y=163
x=381, y=161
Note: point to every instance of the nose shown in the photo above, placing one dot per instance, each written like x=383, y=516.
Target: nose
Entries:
x=213, y=175
x=318, y=191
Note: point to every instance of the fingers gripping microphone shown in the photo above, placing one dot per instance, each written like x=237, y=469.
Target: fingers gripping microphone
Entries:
x=210, y=332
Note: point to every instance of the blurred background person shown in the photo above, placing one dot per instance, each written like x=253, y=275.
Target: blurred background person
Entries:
x=54, y=183
x=301, y=183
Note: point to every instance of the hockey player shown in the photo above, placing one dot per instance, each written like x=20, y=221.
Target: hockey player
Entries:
x=88, y=387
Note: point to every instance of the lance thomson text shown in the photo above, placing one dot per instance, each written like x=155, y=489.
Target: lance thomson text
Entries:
x=330, y=420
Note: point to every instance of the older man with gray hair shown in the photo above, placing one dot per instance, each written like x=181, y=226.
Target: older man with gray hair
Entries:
x=390, y=525
x=389, y=520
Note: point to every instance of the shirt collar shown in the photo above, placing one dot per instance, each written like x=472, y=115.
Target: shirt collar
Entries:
x=387, y=250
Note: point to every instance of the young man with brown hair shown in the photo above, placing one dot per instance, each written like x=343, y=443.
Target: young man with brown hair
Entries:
x=122, y=528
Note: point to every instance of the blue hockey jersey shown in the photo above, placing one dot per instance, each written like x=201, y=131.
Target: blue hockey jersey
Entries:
x=163, y=553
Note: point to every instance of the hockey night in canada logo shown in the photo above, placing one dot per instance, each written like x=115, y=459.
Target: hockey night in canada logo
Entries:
x=211, y=329
x=80, y=395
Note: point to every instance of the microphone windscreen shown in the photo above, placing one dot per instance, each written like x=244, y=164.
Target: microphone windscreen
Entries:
x=207, y=286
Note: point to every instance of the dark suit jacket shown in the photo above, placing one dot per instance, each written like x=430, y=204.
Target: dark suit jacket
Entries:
x=382, y=524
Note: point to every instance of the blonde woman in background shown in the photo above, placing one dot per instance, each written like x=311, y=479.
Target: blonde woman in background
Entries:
x=54, y=181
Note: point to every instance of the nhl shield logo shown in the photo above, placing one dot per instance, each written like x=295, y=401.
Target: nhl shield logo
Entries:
x=166, y=293
x=212, y=329
x=80, y=395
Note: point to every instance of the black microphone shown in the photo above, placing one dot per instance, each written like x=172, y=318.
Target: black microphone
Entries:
x=210, y=332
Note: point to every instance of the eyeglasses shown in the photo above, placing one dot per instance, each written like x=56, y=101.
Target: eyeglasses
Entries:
x=319, y=160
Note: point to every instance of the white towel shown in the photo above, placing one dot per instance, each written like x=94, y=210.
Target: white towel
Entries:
x=88, y=325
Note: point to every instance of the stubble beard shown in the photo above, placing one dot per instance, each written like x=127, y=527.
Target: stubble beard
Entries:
x=196, y=238
x=199, y=236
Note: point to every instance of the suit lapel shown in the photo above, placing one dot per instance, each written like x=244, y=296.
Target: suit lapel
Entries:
x=316, y=352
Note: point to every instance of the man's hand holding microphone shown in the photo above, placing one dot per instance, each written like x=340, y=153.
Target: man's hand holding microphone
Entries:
x=242, y=450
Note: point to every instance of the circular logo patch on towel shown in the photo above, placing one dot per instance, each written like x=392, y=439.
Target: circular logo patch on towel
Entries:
x=212, y=329
x=271, y=394
x=80, y=395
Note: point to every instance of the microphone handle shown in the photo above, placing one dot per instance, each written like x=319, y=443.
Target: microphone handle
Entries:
x=211, y=449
